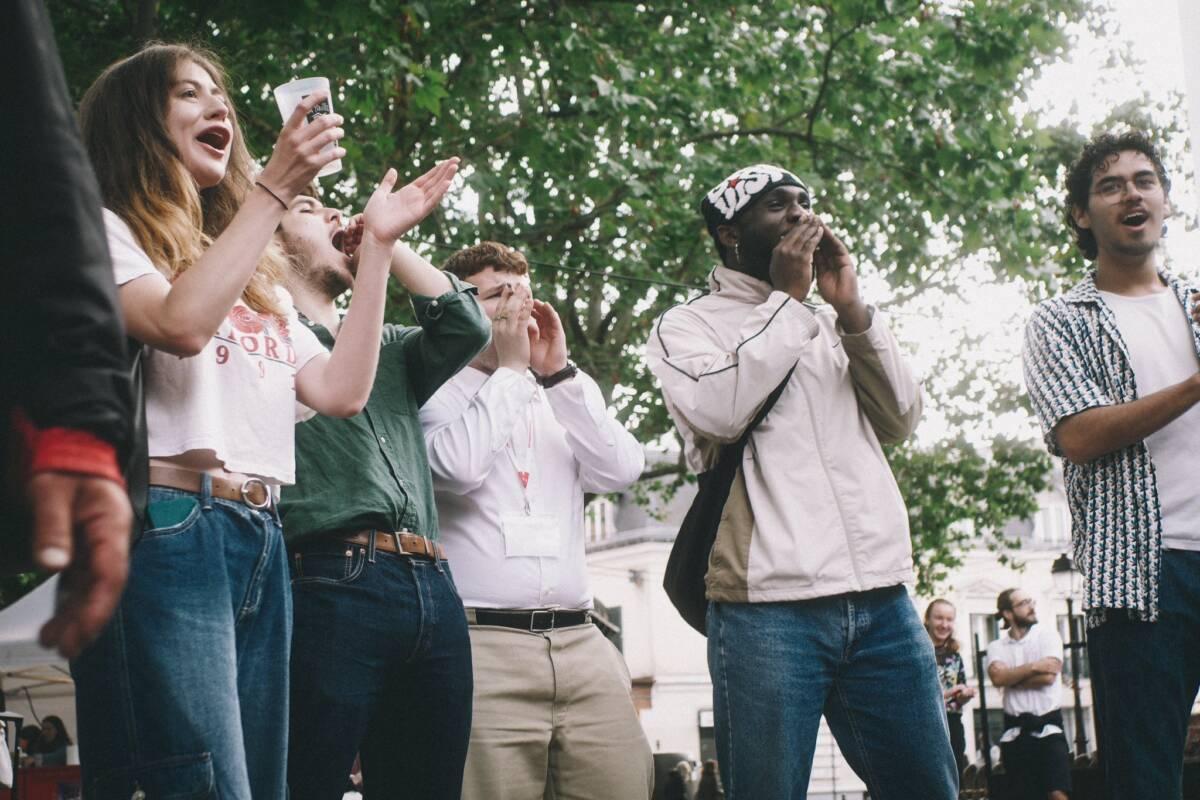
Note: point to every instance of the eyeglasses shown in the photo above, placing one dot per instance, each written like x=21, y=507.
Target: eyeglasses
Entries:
x=1112, y=189
x=1028, y=601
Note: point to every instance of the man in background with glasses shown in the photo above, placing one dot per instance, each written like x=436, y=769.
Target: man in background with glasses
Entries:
x=1027, y=663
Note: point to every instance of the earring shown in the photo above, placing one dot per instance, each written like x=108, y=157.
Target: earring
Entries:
x=737, y=255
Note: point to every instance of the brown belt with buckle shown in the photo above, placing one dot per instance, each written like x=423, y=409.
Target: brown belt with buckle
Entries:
x=254, y=492
x=401, y=543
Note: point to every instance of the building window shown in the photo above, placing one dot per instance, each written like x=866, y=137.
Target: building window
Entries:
x=1052, y=524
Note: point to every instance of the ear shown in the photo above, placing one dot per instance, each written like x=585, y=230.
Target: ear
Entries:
x=728, y=235
x=1081, y=217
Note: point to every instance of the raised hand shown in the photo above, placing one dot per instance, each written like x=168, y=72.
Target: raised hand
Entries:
x=298, y=156
x=791, y=268
x=510, y=328
x=837, y=282
x=548, y=344
x=391, y=214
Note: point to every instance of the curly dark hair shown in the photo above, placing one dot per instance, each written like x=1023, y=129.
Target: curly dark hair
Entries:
x=477, y=258
x=1096, y=155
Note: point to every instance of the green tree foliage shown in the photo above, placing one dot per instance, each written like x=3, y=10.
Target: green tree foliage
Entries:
x=590, y=129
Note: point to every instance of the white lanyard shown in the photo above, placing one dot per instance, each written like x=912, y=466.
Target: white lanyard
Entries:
x=524, y=464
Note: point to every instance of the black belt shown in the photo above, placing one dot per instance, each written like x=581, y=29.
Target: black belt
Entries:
x=546, y=619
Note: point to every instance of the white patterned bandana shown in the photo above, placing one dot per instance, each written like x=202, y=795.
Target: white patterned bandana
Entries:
x=729, y=198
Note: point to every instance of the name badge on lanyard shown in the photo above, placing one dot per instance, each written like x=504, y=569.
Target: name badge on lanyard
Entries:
x=528, y=534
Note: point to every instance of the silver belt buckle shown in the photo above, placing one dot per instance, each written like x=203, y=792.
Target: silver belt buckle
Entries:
x=245, y=490
x=533, y=626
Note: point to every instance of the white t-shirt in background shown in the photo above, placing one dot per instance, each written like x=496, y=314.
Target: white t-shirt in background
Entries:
x=1158, y=335
x=1041, y=641
x=235, y=401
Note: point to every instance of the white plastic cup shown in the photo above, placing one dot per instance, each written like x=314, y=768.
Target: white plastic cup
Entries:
x=289, y=95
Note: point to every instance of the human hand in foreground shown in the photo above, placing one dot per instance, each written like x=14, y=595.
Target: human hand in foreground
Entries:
x=81, y=527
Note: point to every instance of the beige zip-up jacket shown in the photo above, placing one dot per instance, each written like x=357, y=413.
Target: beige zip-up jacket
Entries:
x=814, y=510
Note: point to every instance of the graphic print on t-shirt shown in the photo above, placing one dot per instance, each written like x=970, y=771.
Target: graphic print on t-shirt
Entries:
x=262, y=337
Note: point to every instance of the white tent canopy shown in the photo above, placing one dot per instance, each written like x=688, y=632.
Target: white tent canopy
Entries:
x=19, y=626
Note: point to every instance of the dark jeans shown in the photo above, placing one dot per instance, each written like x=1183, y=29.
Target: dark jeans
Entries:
x=863, y=660
x=958, y=740
x=381, y=666
x=1146, y=675
x=184, y=695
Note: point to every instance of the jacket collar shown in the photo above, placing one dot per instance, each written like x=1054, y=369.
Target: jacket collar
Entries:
x=733, y=285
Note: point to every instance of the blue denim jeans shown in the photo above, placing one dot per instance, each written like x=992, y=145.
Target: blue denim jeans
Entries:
x=863, y=660
x=184, y=695
x=381, y=665
x=1145, y=676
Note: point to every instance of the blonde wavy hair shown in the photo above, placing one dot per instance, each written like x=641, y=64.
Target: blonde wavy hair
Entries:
x=143, y=180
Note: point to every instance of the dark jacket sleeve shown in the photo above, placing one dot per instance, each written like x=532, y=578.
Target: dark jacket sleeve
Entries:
x=64, y=354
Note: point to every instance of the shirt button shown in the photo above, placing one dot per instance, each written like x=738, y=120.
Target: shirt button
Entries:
x=383, y=439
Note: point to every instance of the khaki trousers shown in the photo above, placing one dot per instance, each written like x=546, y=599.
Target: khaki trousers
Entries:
x=553, y=719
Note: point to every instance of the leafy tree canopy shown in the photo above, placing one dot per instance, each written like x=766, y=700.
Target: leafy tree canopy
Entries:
x=590, y=129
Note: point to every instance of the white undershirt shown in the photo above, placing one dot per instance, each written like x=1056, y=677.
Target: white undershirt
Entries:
x=1158, y=337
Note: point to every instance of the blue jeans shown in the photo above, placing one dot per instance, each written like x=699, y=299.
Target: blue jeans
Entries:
x=1145, y=676
x=381, y=665
x=184, y=695
x=863, y=660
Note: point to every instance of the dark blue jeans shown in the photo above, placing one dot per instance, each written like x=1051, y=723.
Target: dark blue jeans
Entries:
x=381, y=666
x=184, y=695
x=1145, y=676
x=863, y=660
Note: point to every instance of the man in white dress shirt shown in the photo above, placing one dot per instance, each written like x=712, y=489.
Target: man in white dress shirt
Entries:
x=515, y=439
x=1028, y=664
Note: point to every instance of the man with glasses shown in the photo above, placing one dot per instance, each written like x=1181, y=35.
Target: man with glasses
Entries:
x=1113, y=369
x=1027, y=663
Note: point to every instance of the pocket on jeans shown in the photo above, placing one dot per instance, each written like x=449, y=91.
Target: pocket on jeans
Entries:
x=188, y=777
x=329, y=568
x=171, y=516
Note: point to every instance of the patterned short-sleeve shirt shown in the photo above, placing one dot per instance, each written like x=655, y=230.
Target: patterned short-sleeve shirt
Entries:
x=1074, y=360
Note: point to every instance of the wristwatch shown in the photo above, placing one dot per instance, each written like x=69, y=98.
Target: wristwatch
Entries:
x=564, y=374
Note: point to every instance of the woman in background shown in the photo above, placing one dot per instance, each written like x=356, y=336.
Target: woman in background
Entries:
x=939, y=622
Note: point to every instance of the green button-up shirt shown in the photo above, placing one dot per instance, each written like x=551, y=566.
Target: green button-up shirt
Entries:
x=371, y=470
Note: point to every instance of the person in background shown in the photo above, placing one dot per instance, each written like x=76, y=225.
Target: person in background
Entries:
x=709, y=787
x=1027, y=664
x=51, y=749
x=939, y=621
x=26, y=741
x=66, y=403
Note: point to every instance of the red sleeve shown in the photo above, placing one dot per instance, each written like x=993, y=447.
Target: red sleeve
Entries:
x=64, y=450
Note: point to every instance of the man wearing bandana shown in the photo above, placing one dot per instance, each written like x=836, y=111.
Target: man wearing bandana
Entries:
x=808, y=614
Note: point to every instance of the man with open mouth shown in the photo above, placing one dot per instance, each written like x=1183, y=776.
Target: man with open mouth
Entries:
x=1113, y=369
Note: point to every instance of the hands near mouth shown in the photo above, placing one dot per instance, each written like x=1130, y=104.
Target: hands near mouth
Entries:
x=810, y=247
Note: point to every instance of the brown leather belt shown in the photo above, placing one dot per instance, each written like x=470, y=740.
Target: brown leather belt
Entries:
x=254, y=492
x=401, y=543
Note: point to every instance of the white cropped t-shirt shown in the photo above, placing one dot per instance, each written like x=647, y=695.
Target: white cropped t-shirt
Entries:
x=236, y=399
